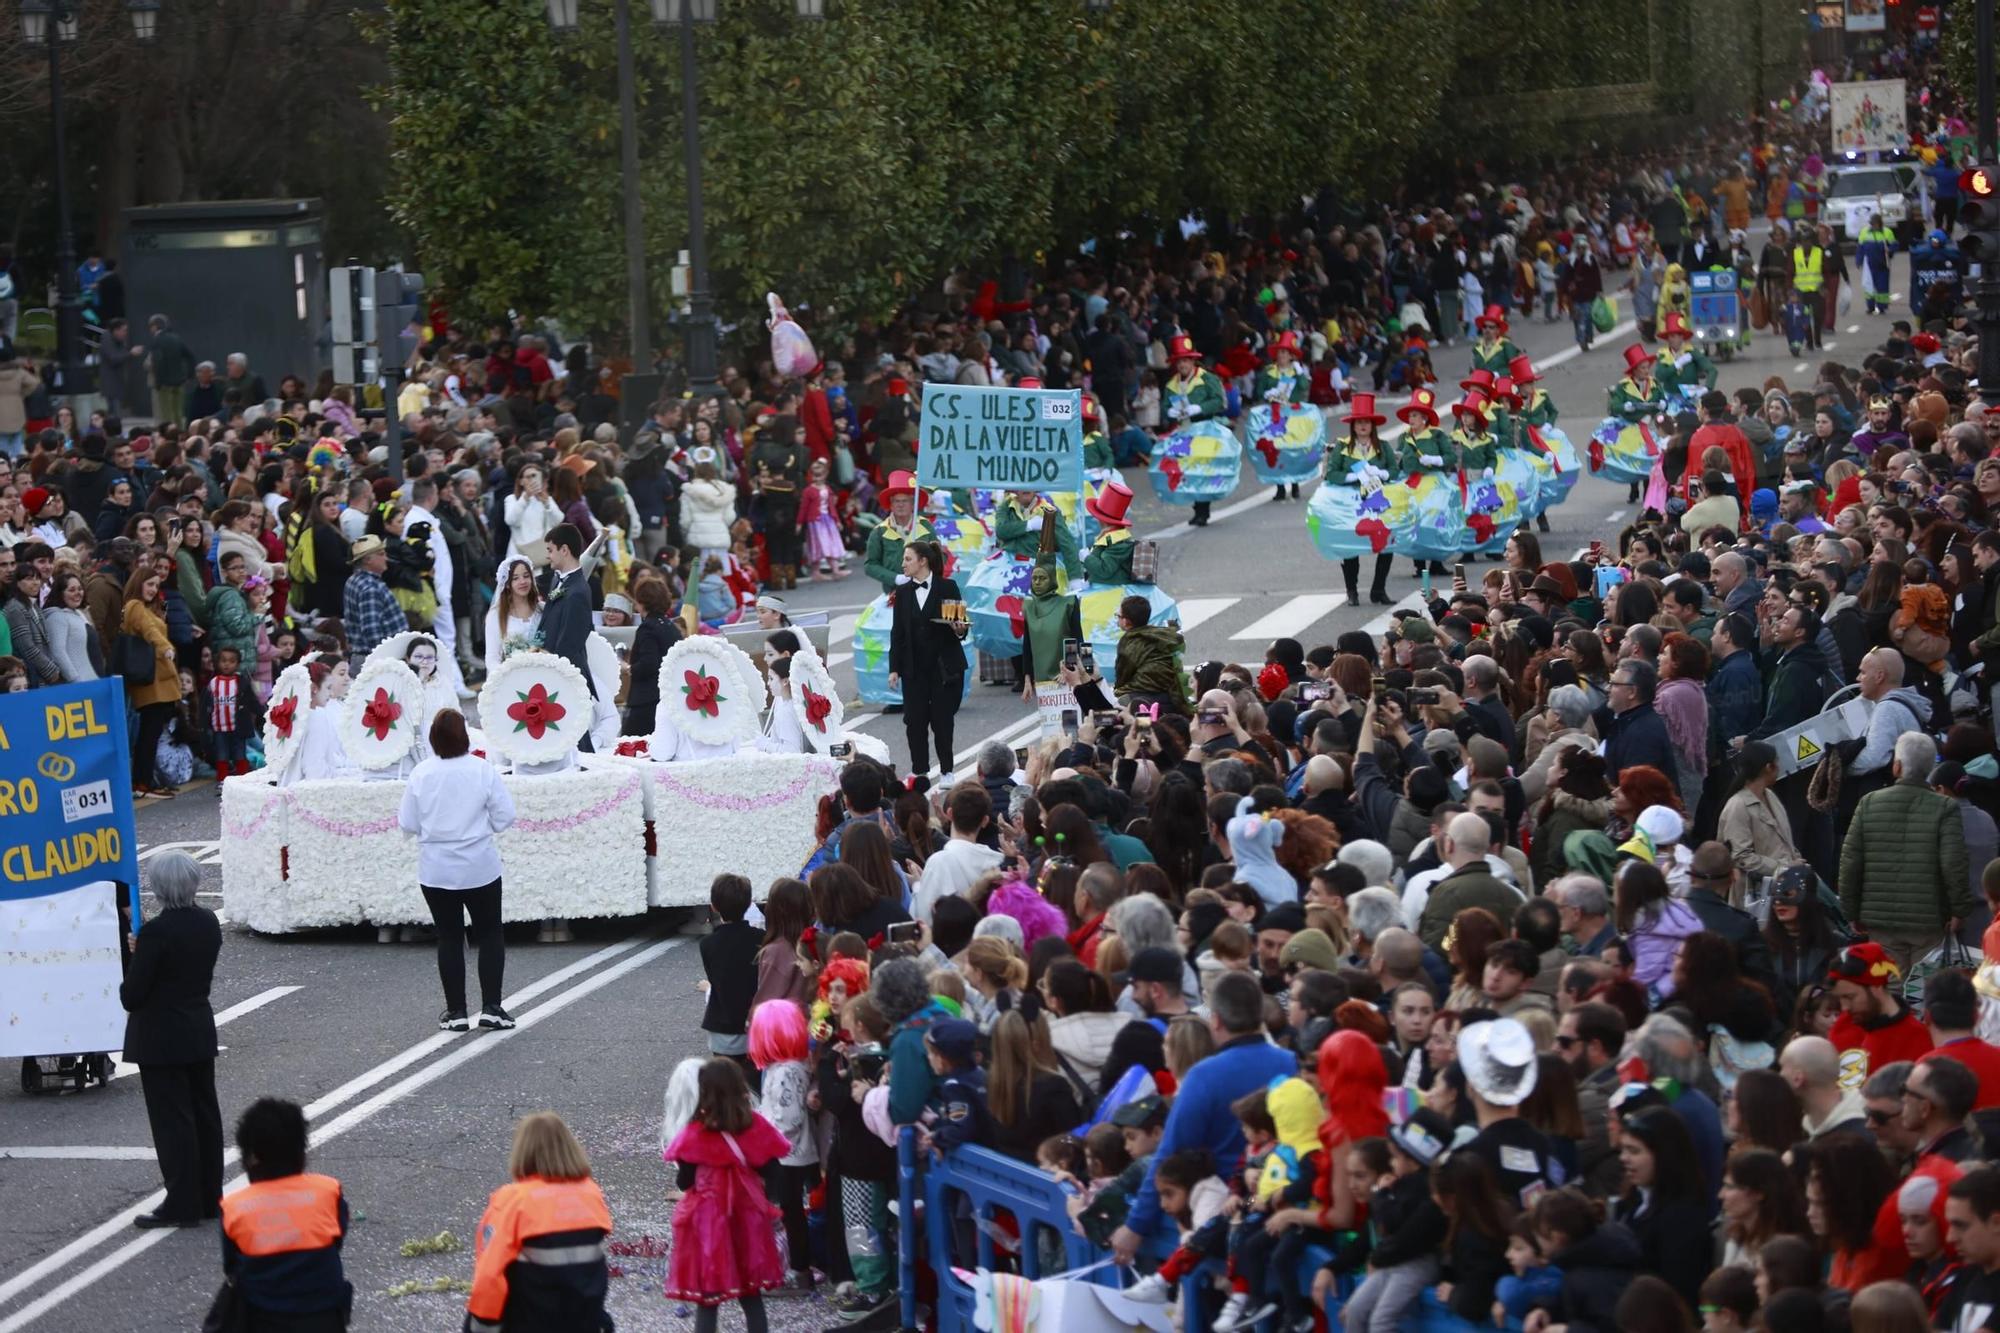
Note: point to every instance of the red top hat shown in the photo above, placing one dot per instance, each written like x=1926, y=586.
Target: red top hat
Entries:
x=1674, y=324
x=1028, y=382
x=1473, y=405
x=1494, y=316
x=1288, y=341
x=1090, y=407
x=1108, y=506
x=1182, y=349
x=899, y=388
x=1479, y=381
x=1363, y=409
x=900, y=483
x=1504, y=390
x=1635, y=356
x=1522, y=371
x=1423, y=403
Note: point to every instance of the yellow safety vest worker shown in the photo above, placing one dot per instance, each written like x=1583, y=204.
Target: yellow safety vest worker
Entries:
x=1805, y=269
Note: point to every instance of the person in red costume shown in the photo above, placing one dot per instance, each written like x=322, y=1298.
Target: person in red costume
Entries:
x=1875, y=1027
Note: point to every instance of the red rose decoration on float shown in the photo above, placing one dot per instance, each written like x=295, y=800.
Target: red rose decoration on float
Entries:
x=632, y=747
x=703, y=691
x=817, y=707
x=535, y=710
x=283, y=714
x=380, y=714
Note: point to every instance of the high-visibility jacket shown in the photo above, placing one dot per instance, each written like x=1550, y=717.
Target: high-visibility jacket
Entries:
x=281, y=1241
x=1805, y=269
x=540, y=1258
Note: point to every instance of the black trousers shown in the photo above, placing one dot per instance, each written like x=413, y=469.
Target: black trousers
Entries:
x=787, y=1186
x=449, y=908
x=781, y=527
x=153, y=719
x=929, y=711
x=187, y=1136
x=1350, y=570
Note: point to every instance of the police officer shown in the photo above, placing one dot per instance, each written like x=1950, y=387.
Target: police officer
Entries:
x=1937, y=277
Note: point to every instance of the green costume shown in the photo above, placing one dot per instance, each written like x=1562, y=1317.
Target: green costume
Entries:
x=1343, y=456
x=1429, y=449
x=1149, y=663
x=1476, y=453
x=1630, y=403
x=1108, y=564
x=1691, y=371
x=1048, y=616
x=1097, y=452
x=1016, y=538
x=1541, y=409
x=884, y=559
x=1497, y=358
x=1198, y=399
x=1297, y=384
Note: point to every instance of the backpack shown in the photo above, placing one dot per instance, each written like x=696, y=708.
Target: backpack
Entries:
x=1145, y=561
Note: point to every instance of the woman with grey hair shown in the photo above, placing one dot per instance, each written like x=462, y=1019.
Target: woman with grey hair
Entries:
x=170, y=1035
x=1142, y=921
x=901, y=989
x=1564, y=725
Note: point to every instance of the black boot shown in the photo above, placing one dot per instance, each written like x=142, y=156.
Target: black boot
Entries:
x=1199, y=519
x=1280, y=496
x=1350, y=574
x=1378, y=590
x=1542, y=520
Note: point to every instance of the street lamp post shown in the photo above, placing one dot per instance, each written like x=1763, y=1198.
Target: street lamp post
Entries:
x=702, y=338
x=64, y=16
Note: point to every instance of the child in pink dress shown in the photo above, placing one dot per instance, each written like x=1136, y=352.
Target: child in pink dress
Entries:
x=821, y=527
x=725, y=1237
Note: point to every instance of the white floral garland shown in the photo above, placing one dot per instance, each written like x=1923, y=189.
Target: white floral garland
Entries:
x=294, y=682
x=809, y=672
x=740, y=693
x=519, y=675
x=393, y=675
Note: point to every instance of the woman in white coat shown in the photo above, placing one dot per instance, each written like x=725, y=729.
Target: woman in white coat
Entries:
x=707, y=506
x=530, y=513
x=456, y=806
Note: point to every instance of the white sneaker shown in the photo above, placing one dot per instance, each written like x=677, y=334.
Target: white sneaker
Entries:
x=1231, y=1315
x=1150, y=1290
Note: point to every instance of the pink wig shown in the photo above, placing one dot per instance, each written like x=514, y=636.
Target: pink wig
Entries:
x=1037, y=915
x=1351, y=1076
x=777, y=1033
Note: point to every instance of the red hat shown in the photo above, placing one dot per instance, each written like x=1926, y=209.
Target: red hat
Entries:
x=1864, y=964
x=1182, y=349
x=1674, y=324
x=1028, y=382
x=1090, y=407
x=1474, y=405
x=1521, y=370
x=1479, y=381
x=1363, y=409
x=899, y=388
x=1108, y=506
x=1423, y=403
x=1288, y=341
x=1493, y=315
x=1504, y=390
x=900, y=483
x=1635, y=356
x=33, y=499
x=1925, y=342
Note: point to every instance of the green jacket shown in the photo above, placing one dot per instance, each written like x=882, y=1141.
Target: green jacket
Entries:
x=1295, y=391
x=1902, y=870
x=230, y=622
x=1472, y=885
x=1432, y=443
x=1627, y=402
x=1341, y=458
x=1497, y=359
x=1697, y=374
x=1204, y=399
x=1149, y=662
x=1096, y=451
x=1016, y=538
x=1108, y=564
x=1541, y=410
x=1478, y=452
x=883, y=560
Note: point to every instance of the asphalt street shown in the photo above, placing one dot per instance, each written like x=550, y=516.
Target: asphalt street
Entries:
x=416, y=1123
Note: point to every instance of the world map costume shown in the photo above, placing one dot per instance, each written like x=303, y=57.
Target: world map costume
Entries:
x=1198, y=459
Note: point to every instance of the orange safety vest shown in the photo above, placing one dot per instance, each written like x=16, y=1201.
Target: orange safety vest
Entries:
x=517, y=1213
x=284, y=1215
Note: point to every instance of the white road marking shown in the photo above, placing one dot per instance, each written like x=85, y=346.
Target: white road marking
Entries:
x=1198, y=611
x=204, y=853
x=861, y=721
x=1614, y=516
x=467, y=1052
x=346, y=1092
x=1252, y=501
x=1013, y=731
x=1800, y=368
x=1827, y=345
x=77, y=1154
x=835, y=659
x=227, y=1016
x=1413, y=602
x=1854, y=328
x=1292, y=617
x=841, y=628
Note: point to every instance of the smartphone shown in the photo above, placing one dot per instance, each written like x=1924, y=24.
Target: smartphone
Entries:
x=1088, y=656
x=905, y=932
x=1608, y=577
x=1142, y=724
x=1458, y=573
x=1104, y=721
x=1419, y=697
x=840, y=749
x=1070, y=655
x=1315, y=692
x=1020, y=757
x=1596, y=552
x=1069, y=722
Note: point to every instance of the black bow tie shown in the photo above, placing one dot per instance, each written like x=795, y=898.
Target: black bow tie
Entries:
x=922, y=584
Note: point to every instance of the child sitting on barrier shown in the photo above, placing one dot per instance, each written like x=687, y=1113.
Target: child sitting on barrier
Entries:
x=1101, y=1195
x=1407, y=1228
x=1193, y=1195
x=1282, y=1123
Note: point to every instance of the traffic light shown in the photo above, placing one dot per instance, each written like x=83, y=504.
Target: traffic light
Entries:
x=1979, y=215
x=399, y=310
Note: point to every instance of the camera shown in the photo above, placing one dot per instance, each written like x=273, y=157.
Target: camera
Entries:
x=840, y=750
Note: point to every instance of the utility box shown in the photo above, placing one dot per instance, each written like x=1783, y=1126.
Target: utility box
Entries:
x=244, y=275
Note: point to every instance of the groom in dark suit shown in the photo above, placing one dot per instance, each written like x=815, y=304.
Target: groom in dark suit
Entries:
x=926, y=654
x=566, y=622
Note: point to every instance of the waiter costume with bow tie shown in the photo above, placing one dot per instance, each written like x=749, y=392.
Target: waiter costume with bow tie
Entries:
x=928, y=655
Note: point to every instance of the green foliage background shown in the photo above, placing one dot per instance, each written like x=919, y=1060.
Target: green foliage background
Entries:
x=849, y=162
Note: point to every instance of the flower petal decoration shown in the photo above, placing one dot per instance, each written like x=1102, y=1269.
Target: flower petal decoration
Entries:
x=817, y=707
x=536, y=709
x=282, y=715
x=381, y=713
x=284, y=718
x=722, y=692
x=702, y=691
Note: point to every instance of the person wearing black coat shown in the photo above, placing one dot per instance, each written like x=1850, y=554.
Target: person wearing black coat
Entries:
x=170, y=1035
x=1710, y=878
x=926, y=655
x=656, y=633
x=1596, y=1270
x=1633, y=733
x=1663, y=1205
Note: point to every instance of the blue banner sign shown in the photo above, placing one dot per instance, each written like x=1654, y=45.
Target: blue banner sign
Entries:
x=1000, y=439
x=65, y=790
